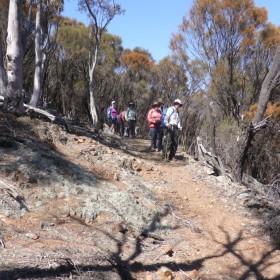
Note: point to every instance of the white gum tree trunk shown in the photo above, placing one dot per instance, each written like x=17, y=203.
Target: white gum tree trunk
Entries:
x=100, y=14
x=14, y=56
x=3, y=75
x=92, y=105
x=38, y=75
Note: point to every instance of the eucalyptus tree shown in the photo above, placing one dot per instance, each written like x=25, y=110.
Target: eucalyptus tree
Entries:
x=107, y=79
x=3, y=75
x=26, y=31
x=137, y=70
x=222, y=34
x=137, y=75
x=3, y=22
x=14, y=55
x=100, y=13
x=45, y=30
x=172, y=80
x=67, y=80
x=271, y=81
x=233, y=44
x=66, y=86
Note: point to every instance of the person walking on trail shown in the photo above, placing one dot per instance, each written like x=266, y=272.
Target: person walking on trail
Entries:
x=113, y=114
x=122, y=123
x=131, y=117
x=173, y=127
x=162, y=130
x=154, y=119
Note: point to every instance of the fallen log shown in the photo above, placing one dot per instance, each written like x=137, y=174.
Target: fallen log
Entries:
x=41, y=112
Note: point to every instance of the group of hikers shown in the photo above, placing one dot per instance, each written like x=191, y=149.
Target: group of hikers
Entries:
x=164, y=124
x=125, y=121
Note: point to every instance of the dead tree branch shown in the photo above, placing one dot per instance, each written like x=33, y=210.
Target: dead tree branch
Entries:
x=211, y=159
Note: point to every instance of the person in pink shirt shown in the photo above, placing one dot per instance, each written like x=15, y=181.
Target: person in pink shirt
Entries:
x=113, y=117
x=122, y=124
x=154, y=119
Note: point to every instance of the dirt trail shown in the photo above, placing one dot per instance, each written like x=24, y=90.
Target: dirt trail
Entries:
x=219, y=238
x=204, y=234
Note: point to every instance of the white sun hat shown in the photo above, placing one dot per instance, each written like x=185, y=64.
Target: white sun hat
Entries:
x=178, y=101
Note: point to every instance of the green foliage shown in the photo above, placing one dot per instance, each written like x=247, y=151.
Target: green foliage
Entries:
x=111, y=50
x=80, y=87
x=171, y=79
x=73, y=40
x=227, y=135
x=230, y=39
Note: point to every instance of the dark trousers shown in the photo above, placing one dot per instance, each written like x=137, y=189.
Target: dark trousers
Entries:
x=121, y=127
x=171, y=143
x=161, y=134
x=131, y=128
x=156, y=137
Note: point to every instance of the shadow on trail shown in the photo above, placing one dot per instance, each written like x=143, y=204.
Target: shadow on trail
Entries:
x=115, y=263
x=115, y=266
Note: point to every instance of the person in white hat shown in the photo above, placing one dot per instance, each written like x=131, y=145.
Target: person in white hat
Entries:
x=173, y=124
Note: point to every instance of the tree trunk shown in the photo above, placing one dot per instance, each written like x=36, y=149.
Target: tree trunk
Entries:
x=212, y=128
x=270, y=82
x=3, y=75
x=14, y=100
x=100, y=14
x=38, y=76
x=92, y=105
x=244, y=144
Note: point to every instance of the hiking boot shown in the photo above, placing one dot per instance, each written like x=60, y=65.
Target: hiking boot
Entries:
x=152, y=150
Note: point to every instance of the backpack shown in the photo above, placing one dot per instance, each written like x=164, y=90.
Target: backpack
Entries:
x=130, y=114
x=108, y=113
x=163, y=117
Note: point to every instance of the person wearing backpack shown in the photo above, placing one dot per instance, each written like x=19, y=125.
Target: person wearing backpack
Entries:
x=173, y=127
x=162, y=126
x=112, y=115
x=131, y=117
x=154, y=119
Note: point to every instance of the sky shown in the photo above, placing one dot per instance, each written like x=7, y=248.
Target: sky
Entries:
x=149, y=24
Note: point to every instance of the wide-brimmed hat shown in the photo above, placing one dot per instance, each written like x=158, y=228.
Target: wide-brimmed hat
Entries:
x=160, y=101
x=155, y=103
x=178, y=101
x=113, y=102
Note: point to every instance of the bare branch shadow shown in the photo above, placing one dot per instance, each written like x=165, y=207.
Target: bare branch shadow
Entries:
x=124, y=268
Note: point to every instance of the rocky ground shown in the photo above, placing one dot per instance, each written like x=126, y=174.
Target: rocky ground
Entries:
x=75, y=204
